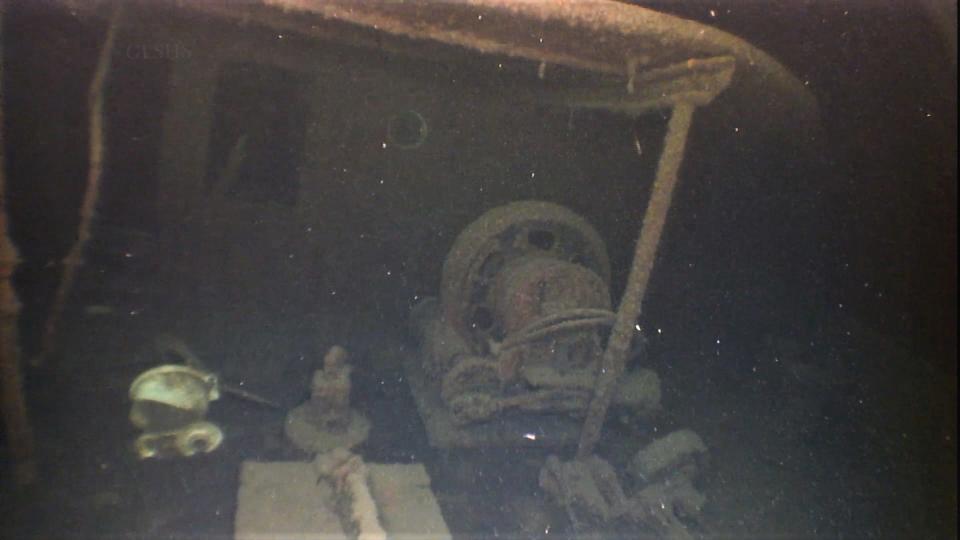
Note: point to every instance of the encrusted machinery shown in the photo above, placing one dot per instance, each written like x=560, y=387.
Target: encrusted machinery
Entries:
x=516, y=336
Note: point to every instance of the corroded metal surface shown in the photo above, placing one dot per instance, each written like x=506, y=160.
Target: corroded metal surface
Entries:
x=661, y=501
x=654, y=219
x=533, y=287
x=602, y=37
x=518, y=332
x=166, y=397
x=541, y=305
x=194, y=438
x=503, y=234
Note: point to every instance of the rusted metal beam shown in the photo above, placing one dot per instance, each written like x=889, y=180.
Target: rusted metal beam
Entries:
x=605, y=38
x=97, y=151
x=694, y=81
x=614, y=357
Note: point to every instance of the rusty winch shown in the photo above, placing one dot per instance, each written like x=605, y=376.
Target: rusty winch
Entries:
x=518, y=330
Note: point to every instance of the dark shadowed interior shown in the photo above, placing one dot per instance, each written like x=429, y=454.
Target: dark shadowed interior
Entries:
x=276, y=183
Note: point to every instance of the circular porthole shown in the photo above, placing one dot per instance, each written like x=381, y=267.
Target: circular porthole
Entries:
x=407, y=130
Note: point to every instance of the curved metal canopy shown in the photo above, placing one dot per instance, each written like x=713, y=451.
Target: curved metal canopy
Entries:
x=628, y=47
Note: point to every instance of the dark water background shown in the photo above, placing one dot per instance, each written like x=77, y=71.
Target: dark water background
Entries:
x=802, y=314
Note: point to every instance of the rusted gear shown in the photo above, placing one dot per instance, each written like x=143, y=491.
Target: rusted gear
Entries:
x=499, y=236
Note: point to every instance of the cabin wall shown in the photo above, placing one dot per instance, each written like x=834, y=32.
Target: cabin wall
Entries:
x=370, y=223
x=172, y=235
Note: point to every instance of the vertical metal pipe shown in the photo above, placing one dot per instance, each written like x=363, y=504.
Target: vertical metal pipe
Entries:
x=88, y=207
x=615, y=356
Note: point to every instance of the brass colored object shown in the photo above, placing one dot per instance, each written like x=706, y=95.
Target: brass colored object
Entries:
x=662, y=500
x=198, y=437
x=631, y=303
x=169, y=405
x=638, y=59
x=500, y=236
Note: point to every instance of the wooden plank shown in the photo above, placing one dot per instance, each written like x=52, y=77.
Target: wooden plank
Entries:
x=284, y=501
x=406, y=503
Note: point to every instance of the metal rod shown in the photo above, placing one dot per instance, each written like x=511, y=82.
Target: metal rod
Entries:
x=614, y=357
x=167, y=345
x=237, y=392
x=88, y=207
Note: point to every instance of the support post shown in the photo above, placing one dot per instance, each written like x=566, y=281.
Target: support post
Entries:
x=88, y=208
x=614, y=357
